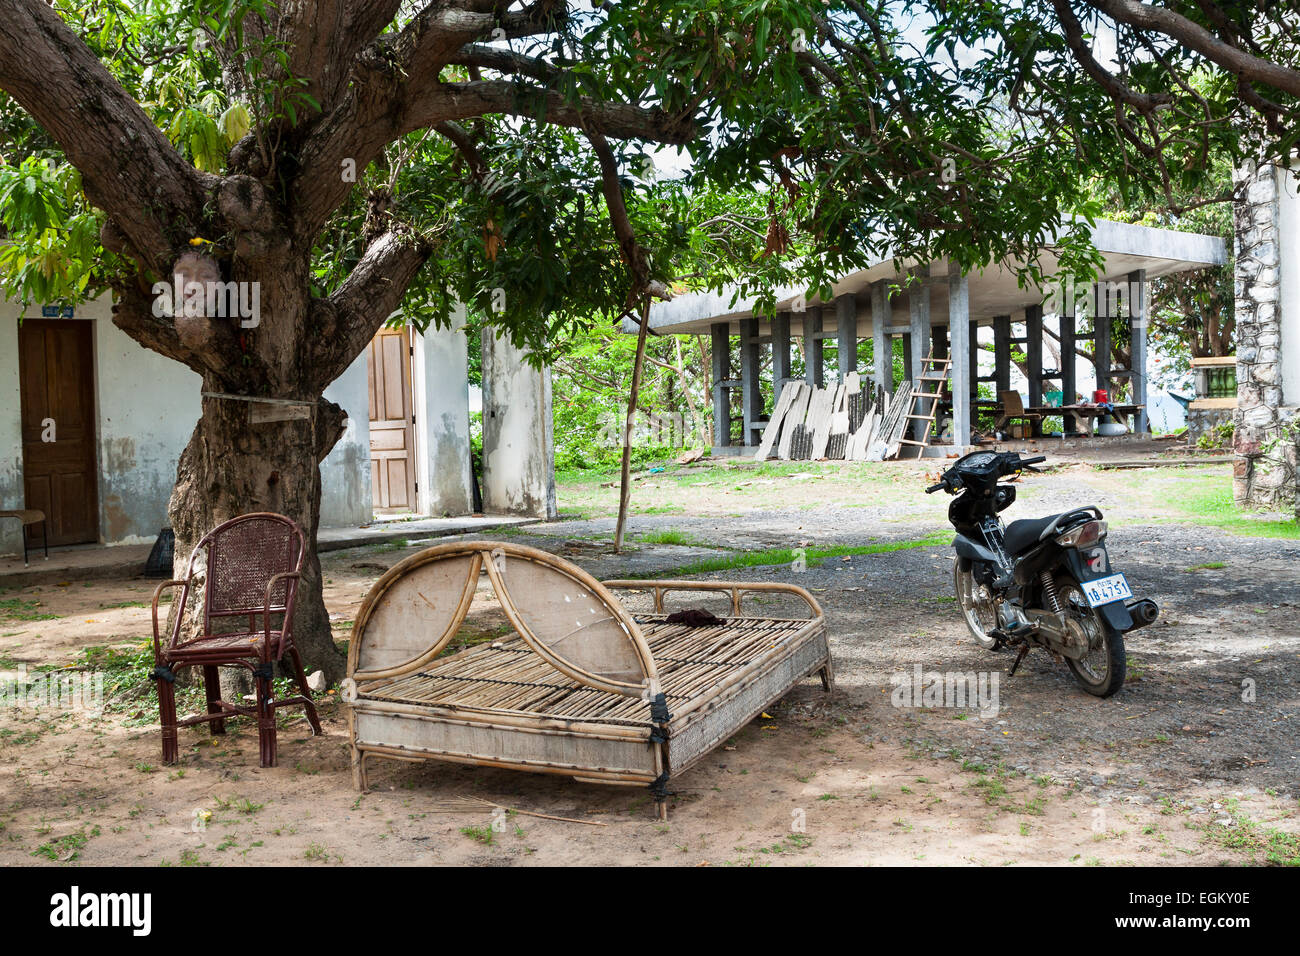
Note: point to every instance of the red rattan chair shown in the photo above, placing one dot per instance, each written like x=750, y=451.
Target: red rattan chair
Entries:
x=250, y=566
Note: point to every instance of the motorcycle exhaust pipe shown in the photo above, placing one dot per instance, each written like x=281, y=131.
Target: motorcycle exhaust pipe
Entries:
x=1143, y=612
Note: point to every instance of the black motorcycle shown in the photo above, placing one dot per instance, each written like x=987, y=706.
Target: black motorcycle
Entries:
x=1038, y=582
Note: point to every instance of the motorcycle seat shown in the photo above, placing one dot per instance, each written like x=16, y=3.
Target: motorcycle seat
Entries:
x=1024, y=534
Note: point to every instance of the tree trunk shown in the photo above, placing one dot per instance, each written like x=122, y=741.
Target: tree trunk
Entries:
x=235, y=466
x=247, y=456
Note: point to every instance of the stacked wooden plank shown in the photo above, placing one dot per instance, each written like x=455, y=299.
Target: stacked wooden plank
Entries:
x=849, y=421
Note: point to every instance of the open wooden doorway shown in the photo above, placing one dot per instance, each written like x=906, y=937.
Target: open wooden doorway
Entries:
x=56, y=385
x=392, y=432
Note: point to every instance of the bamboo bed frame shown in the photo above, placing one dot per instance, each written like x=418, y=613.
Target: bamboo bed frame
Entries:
x=583, y=687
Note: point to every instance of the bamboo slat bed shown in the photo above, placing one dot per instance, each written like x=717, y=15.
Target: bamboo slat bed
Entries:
x=584, y=686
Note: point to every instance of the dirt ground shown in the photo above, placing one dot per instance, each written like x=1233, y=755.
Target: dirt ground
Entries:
x=1193, y=763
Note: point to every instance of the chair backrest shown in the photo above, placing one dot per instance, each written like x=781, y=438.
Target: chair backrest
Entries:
x=1011, y=403
x=243, y=555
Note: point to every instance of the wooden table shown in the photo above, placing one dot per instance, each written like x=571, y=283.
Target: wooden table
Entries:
x=1081, y=412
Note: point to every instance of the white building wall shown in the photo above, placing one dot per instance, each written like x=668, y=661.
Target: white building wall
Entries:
x=147, y=407
x=11, y=429
x=345, y=499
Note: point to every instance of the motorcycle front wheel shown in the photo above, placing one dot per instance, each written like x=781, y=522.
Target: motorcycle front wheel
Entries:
x=980, y=612
x=1101, y=671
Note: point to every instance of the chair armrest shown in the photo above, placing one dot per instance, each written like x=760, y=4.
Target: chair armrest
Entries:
x=157, y=644
x=266, y=614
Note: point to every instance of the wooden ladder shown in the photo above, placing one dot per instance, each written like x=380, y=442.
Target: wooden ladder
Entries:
x=934, y=371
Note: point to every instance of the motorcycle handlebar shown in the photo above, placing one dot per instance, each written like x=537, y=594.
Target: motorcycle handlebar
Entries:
x=933, y=488
x=1033, y=461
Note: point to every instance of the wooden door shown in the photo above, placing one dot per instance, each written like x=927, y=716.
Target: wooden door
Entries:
x=56, y=384
x=392, y=435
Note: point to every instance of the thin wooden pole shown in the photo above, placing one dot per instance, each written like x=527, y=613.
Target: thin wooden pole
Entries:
x=625, y=488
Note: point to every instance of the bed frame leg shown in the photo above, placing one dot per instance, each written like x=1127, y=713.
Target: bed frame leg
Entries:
x=359, y=781
x=661, y=810
x=828, y=677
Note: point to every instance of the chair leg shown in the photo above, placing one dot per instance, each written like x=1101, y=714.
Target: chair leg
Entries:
x=266, y=721
x=301, y=677
x=212, y=687
x=167, y=716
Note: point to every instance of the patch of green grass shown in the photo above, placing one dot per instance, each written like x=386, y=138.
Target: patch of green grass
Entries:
x=1207, y=499
x=813, y=555
x=668, y=537
x=316, y=853
x=397, y=544
x=481, y=834
x=1262, y=844
x=66, y=848
x=16, y=609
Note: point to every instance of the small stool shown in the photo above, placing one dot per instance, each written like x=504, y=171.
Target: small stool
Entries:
x=30, y=517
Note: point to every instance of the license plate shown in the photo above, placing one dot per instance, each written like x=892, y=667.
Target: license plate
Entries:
x=1106, y=590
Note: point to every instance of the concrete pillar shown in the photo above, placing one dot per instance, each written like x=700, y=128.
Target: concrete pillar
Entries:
x=518, y=442
x=846, y=334
x=973, y=340
x=959, y=331
x=1137, y=283
x=814, y=362
x=780, y=353
x=1102, y=309
x=751, y=398
x=1002, y=352
x=918, y=303
x=1034, y=358
x=882, y=341
x=440, y=376
x=1069, y=380
x=720, y=346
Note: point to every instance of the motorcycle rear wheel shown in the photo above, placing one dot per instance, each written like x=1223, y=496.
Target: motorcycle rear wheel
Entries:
x=981, y=615
x=1101, y=671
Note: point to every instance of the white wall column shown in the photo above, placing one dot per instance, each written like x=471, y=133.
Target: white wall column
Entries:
x=440, y=382
x=518, y=442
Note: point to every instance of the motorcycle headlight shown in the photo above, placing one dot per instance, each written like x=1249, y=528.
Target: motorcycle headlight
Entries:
x=1083, y=535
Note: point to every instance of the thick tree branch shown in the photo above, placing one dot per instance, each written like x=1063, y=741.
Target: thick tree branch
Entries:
x=1114, y=87
x=348, y=319
x=128, y=167
x=1148, y=17
x=375, y=119
x=325, y=36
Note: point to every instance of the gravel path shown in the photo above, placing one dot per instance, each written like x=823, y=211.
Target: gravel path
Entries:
x=1213, y=695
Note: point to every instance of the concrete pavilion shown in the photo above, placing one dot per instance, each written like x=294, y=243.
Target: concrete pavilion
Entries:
x=944, y=309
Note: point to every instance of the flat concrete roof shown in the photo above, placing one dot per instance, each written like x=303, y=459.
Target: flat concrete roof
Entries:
x=994, y=290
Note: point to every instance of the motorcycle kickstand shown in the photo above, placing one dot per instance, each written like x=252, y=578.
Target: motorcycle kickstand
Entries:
x=1020, y=656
